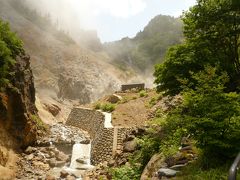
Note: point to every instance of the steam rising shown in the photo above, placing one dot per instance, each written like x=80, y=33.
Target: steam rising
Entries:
x=73, y=15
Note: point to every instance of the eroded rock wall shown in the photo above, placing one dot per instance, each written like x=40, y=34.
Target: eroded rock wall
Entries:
x=17, y=104
x=18, y=128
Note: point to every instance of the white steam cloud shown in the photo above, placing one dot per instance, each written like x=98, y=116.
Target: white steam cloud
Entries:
x=84, y=13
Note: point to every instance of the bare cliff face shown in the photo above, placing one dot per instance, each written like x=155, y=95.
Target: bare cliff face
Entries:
x=18, y=113
x=20, y=125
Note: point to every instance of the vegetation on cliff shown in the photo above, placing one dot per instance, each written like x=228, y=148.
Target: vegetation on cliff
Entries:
x=17, y=92
x=10, y=47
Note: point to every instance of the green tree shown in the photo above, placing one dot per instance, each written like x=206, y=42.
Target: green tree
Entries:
x=212, y=36
x=10, y=47
x=210, y=115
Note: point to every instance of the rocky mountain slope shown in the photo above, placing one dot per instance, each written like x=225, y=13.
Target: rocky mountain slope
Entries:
x=148, y=47
x=61, y=67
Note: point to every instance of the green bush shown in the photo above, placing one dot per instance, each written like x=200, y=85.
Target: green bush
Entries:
x=143, y=93
x=125, y=99
x=108, y=107
x=153, y=101
x=125, y=173
x=210, y=115
x=97, y=106
x=10, y=47
x=38, y=122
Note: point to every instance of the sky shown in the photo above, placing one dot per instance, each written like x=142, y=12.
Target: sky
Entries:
x=112, y=19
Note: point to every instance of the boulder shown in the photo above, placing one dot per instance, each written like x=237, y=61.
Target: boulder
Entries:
x=50, y=177
x=81, y=161
x=114, y=98
x=60, y=163
x=53, y=109
x=130, y=146
x=111, y=163
x=30, y=150
x=69, y=177
x=63, y=174
x=165, y=172
x=62, y=157
x=29, y=157
x=156, y=162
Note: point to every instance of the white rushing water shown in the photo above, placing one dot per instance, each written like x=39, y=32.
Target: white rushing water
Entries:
x=81, y=155
x=108, y=120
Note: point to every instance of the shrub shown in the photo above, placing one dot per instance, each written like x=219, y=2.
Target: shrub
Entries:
x=125, y=173
x=143, y=93
x=39, y=123
x=153, y=101
x=125, y=99
x=108, y=107
x=10, y=47
x=210, y=115
x=97, y=106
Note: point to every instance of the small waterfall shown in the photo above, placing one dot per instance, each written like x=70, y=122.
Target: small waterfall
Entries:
x=108, y=120
x=81, y=155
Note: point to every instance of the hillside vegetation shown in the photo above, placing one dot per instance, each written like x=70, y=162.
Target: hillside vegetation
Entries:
x=204, y=71
x=149, y=46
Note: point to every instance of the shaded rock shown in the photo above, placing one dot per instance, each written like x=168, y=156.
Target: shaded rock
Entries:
x=62, y=157
x=113, y=98
x=178, y=167
x=129, y=138
x=69, y=177
x=130, y=146
x=50, y=177
x=52, y=162
x=60, y=163
x=182, y=161
x=111, y=163
x=30, y=150
x=166, y=172
x=81, y=161
x=63, y=174
x=186, y=148
x=156, y=162
x=86, y=141
x=29, y=157
x=53, y=109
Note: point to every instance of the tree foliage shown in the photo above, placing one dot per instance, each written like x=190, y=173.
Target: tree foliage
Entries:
x=10, y=47
x=210, y=115
x=212, y=36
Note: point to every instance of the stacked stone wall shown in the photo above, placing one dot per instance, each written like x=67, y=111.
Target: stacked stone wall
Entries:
x=102, y=138
x=86, y=119
x=93, y=122
x=102, y=146
x=126, y=87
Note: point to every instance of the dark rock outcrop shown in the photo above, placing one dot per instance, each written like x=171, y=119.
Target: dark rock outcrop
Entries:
x=18, y=113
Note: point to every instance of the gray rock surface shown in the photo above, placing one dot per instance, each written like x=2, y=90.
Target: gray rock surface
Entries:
x=166, y=172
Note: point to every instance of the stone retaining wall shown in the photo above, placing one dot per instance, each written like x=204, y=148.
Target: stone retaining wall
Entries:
x=88, y=120
x=132, y=86
x=102, y=146
x=102, y=138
